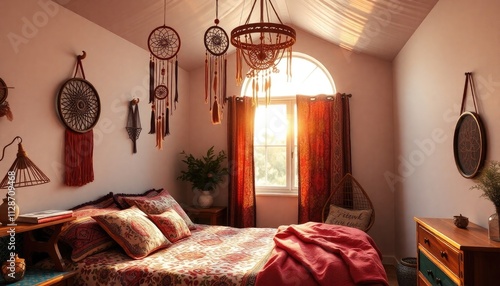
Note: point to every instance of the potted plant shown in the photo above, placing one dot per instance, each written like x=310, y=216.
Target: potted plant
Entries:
x=488, y=182
x=204, y=173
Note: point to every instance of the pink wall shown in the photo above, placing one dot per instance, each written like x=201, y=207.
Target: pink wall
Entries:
x=39, y=43
x=456, y=37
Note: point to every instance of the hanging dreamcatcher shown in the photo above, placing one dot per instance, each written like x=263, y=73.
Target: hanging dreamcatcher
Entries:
x=4, y=105
x=78, y=107
x=216, y=43
x=134, y=122
x=164, y=44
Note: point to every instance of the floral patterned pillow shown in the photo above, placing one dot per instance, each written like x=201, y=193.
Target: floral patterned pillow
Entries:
x=171, y=225
x=133, y=231
x=160, y=204
x=120, y=198
x=84, y=235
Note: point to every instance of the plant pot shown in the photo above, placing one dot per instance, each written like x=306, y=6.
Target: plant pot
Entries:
x=494, y=226
x=205, y=200
x=406, y=271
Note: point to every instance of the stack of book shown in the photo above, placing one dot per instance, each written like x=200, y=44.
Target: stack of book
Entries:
x=44, y=216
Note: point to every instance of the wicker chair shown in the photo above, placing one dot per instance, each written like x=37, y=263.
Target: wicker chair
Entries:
x=349, y=194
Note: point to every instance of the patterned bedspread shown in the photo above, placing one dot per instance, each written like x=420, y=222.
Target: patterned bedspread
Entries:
x=212, y=255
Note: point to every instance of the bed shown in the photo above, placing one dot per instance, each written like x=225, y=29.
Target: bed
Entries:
x=147, y=239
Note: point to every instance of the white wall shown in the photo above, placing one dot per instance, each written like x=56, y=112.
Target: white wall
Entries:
x=39, y=42
x=458, y=36
x=369, y=80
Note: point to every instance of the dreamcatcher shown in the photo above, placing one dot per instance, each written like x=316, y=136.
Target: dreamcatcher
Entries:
x=134, y=123
x=4, y=105
x=164, y=44
x=216, y=43
x=78, y=107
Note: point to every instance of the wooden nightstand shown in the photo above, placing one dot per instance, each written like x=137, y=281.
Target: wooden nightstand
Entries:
x=32, y=245
x=211, y=216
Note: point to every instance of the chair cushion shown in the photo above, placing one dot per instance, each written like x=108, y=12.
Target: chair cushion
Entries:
x=359, y=219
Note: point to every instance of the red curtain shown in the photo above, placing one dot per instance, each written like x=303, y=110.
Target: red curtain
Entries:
x=241, y=197
x=324, y=150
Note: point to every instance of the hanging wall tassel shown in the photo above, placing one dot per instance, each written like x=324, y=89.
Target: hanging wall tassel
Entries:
x=152, y=123
x=167, y=123
x=79, y=149
x=151, y=80
x=206, y=77
x=176, y=82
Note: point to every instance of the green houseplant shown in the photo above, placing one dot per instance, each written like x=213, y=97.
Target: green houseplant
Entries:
x=488, y=182
x=204, y=173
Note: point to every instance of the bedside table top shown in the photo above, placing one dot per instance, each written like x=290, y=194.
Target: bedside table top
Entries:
x=23, y=227
x=212, y=210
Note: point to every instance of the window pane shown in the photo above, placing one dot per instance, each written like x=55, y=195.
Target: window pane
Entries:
x=270, y=166
x=270, y=125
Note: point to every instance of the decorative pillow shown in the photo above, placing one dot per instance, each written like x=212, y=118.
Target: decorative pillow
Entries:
x=160, y=204
x=120, y=198
x=133, y=231
x=359, y=219
x=171, y=225
x=84, y=235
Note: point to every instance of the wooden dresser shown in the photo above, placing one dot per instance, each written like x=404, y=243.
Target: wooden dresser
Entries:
x=448, y=255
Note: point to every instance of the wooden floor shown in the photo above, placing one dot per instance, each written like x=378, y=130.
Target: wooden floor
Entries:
x=391, y=275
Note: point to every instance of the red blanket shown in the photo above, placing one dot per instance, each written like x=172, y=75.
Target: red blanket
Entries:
x=323, y=254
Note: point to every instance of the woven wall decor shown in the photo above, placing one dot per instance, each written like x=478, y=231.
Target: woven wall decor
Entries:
x=4, y=105
x=79, y=108
x=133, y=123
x=164, y=44
x=216, y=44
x=469, y=140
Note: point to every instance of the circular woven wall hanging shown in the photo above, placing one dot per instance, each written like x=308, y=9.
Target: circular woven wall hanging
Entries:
x=78, y=105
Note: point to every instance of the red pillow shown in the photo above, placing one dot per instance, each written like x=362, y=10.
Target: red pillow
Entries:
x=171, y=225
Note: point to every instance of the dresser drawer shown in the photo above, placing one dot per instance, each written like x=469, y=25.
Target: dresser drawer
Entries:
x=432, y=273
x=446, y=254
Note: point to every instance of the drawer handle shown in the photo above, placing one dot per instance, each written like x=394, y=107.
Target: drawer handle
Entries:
x=429, y=272
x=426, y=240
x=438, y=281
x=444, y=254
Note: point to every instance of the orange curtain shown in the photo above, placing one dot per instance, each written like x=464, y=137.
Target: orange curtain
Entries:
x=241, y=197
x=324, y=150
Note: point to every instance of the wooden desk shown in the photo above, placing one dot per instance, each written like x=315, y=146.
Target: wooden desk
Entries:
x=211, y=216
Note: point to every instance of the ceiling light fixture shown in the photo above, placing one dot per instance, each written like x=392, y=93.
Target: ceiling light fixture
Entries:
x=262, y=45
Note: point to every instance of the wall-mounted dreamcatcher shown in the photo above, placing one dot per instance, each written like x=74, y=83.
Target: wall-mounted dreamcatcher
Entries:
x=164, y=44
x=4, y=105
x=79, y=108
x=216, y=44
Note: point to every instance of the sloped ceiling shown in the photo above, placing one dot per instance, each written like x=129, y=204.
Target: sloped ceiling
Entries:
x=375, y=27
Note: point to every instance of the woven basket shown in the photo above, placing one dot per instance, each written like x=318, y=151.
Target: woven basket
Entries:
x=406, y=271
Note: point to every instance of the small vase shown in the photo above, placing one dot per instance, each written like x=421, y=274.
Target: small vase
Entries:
x=205, y=200
x=5, y=216
x=494, y=226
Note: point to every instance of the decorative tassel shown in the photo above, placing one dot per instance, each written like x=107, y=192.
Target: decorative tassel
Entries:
x=152, y=123
x=167, y=123
x=176, y=85
x=206, y=77
x=215, y=112
x=224, y=97
x=151, y=80
x=78, y=154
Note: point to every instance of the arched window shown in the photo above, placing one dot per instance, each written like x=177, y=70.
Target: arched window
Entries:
x=275, y=136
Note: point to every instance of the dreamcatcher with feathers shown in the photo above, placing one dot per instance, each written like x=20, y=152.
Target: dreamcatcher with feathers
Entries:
x=216, y=44
x=4, y=105
x=164, y=44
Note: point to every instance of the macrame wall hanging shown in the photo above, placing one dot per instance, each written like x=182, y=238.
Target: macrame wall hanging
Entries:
x=78, y=107
x=216, y=44
x=164, y=44
x=133, y=123
x=4, y=105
